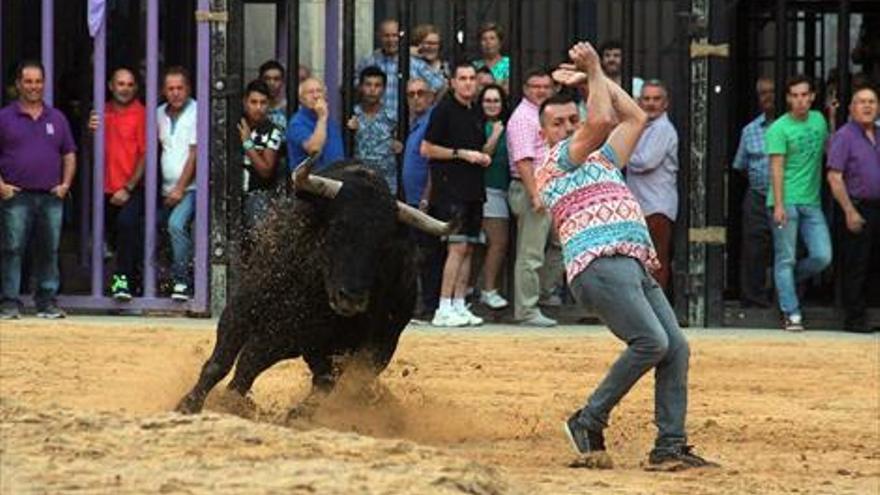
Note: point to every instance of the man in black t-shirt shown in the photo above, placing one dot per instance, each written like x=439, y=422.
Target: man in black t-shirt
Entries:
x=453, y=144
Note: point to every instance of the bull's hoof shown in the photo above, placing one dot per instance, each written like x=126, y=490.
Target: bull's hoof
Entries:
x=303, y=411
x=189, y=405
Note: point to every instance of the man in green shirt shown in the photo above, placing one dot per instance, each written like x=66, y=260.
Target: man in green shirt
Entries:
x=795, y=143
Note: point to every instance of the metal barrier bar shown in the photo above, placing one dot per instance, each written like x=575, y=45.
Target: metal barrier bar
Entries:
x=48, y=49
x=292, y=41
x=151, y=165
x=99, y=94
x=331, y=57
x=203, y=75
x=348, y=26
x=281, y=33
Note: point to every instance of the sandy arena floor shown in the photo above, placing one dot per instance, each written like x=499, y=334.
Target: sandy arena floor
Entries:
x=84, y=409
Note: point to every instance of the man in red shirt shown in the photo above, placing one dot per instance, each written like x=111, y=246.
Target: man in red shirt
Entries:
x=125, y=149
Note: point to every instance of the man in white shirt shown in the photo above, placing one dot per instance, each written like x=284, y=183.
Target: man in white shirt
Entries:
x=176, y=120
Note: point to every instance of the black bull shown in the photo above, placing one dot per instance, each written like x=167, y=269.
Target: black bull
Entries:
x=331, y=276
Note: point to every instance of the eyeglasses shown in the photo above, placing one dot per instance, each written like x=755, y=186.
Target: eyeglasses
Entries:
x=421, y=93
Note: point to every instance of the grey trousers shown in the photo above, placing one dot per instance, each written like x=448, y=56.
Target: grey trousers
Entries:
x=634, y=307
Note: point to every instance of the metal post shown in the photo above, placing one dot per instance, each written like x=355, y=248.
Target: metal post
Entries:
x=843, y=48
x=48, y=50
x=348, y=29
x=281, y=32
x=459, y=26
x=151, y=166
x=203, y=125
x=331, y=54
x=403, y=72
x=292, y=55
x=628, y=42
x=99, y=93
x=781, y=56
x=516, y=50
x=2, y=67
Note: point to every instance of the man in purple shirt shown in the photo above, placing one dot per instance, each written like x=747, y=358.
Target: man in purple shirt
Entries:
x=854, y=176
x=37, y=164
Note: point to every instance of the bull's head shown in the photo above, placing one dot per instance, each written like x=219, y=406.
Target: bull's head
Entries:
x=361, y=219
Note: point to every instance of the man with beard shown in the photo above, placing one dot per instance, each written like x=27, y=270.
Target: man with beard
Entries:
x=125, y=149
x=37, y=164
x=611, y=53
x=608, y=253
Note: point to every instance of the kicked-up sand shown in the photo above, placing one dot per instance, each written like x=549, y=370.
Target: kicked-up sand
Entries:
x=85, y=408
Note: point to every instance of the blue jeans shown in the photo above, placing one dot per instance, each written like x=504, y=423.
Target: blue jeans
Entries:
x=178, y=220
x=633, y=305
x=787, y=271
x=25, y=214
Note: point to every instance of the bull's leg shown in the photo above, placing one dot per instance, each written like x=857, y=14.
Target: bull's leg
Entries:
x=230, y=339
x=324, y=377
x=256, y=357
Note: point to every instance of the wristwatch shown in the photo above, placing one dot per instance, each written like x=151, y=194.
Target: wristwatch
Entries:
x=454, y=153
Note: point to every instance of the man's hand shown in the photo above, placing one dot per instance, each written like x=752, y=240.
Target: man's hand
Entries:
x=173, y=197
x=93, y=122
x=537, y=204
x=244, y=130
x=475, y=157
x=353, y=124
x=568, y=75
x=61, y=190
x=585, y=57
x=779, y=216
x=120, y=197
x=321, y=108
x=8, y=191
x=854, y=221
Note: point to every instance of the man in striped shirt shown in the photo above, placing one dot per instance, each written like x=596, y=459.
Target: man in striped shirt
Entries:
x=608, y=254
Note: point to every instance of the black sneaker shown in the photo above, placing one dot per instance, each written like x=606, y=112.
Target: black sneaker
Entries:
x=119, y=288
x=584, y=440
x=676, y=459
x=9, y=312
x=50, y=311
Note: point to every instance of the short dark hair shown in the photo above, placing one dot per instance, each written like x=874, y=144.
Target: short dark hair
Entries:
x=612, y=44
x=793, y=81
x=485, y=70
x=865, y=87
x=557, y=99
x=257, y=86
x=373, y=71
x=29, y=64
x=269, y=65
x=177, y=70
x=458, y=64
x=125, y=68
x=535, y=72
x=491, y=26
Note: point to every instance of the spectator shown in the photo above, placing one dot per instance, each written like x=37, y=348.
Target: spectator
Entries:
x=426, y=37
x=612, y=63
x=420, y=100
x=374, y=125
x=125, y=148
x=491, y=42
x=37, y=165
x=177, y=134
x=496, y=213
x=272, y=73
x=795, y=142
x=526, y=148
x=751, y=159
x=311, y=131
x=484, y=78
x=652, y=174
x=854, y=176
x=607, y=257
x=260, y=142
x=385, y=59
x=453, y=143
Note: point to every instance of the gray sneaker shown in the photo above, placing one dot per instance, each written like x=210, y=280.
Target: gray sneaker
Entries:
x=51, y=311
x=9, y=312
x=538, y=320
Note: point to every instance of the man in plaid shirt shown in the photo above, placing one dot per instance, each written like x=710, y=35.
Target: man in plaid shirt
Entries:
x=751, y=159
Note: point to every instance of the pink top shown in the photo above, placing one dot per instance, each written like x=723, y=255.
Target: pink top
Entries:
x=524, y=139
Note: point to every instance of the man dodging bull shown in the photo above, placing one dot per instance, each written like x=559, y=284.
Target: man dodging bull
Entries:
x=331, y=278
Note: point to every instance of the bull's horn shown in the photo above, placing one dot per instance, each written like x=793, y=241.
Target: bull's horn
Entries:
x=303, y=180
x=422, y=221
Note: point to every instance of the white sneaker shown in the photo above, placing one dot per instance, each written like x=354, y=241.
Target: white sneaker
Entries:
x=493, y=300
x=180, y=292
x=538, y=320
x=472, y=319
x=449, y=318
